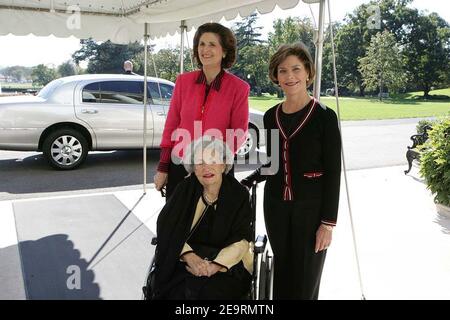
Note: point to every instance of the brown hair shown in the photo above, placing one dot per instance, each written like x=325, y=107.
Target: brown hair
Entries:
x=300, y=51
x=227, y=41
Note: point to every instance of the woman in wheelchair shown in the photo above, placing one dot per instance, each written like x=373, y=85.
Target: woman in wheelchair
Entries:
x=204, y=230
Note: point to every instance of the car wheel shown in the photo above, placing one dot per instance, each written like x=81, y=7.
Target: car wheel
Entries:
x=65, y=149
x=249, y=146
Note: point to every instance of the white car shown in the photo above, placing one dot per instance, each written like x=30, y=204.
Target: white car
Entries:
x=73, y=115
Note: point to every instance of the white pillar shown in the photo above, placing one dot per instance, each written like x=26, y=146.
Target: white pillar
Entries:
x=319, y=50
x=146, y=36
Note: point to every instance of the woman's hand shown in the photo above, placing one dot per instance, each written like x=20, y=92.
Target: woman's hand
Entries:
x=196, y=265
x=323, y=237
x=213, y=268
x=160, y=180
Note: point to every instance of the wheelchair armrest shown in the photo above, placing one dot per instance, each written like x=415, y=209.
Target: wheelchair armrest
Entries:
x=260, y=244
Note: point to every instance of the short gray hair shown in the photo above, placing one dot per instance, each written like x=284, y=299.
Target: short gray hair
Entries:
x=203, y=143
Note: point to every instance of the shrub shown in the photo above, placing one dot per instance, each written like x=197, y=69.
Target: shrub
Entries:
x=435, y=161
x=422, y=124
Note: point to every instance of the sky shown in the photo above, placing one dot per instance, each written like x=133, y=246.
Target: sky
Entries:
x=31, y=50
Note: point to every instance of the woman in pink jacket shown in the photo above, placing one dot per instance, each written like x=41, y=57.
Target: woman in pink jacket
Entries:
x=207, y=101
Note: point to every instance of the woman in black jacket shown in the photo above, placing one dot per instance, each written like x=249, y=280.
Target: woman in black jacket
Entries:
x=301, y=198
x=204, y=230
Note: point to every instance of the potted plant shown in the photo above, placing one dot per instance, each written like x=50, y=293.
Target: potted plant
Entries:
x=435, y=164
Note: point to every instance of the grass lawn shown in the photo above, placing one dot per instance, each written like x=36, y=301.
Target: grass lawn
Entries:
x=355, y=108
x=419, y=94
x=17, y=85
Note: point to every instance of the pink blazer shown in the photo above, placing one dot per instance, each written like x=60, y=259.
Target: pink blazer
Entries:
x=223, y=109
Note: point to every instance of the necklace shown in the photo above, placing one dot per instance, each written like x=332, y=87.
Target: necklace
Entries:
x=209, y=200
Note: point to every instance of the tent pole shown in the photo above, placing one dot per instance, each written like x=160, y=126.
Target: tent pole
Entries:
x=145, y=106
x=182, y=29
x=349, y=203
x=319, y=50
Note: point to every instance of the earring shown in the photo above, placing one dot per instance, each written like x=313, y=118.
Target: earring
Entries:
x=223, y=57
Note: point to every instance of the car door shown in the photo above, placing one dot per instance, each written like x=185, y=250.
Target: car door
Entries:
x=160, y=94
x=114, y=110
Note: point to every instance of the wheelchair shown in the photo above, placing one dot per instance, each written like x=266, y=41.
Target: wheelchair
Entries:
x=263, y=265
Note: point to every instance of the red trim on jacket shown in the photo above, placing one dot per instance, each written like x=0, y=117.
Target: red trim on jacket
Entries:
x=164, y=160
x=313, y=175
x=329, y=222
x=288, y=194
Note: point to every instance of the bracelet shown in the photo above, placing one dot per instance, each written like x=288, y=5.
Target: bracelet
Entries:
x=327, y=227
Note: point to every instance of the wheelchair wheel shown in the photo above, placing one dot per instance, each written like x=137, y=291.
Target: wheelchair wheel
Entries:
x=262, y=280
x=149, y=282
x=266, y=277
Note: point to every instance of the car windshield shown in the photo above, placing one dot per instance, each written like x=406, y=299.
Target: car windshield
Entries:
x=49, y=88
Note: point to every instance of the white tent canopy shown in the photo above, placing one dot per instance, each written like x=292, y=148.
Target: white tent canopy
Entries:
x=121, y=20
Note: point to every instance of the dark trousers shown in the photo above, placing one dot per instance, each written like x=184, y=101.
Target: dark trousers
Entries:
x=176, y=174
x=291, y=227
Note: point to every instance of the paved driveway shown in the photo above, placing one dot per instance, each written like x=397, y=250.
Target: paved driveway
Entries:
x=368, y=144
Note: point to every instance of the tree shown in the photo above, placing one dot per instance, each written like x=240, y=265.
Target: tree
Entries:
x=327, y=79
x=382, y=65
x=292, y=30
x=398, y=18
x=67, y=69
x=428, y=52
x=251, y=62
x=423, y=42
x=256, y=68
x=246, y=32
x=167, y=62
x=106, y=57
x=350, y=46
x=353, y=39
x=42, y=75
x=18, y=73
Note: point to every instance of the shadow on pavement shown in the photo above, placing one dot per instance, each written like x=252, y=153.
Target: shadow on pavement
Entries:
x=11, y=280
x=89, y=247
x=444, y=222
x=53, y=269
